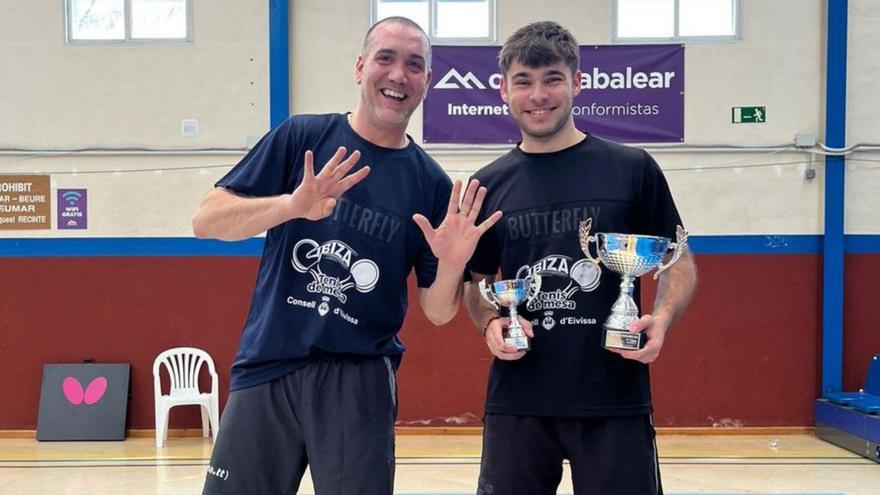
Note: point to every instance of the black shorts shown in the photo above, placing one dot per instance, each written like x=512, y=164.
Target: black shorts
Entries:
x=335, y=415
x=522, y=455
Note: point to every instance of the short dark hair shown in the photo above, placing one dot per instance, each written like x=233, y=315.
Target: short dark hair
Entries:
x=540, y=44
x=406, y=21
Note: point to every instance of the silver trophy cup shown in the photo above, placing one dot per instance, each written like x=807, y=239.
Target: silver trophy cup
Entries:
x=631, y=256
x=510, y=294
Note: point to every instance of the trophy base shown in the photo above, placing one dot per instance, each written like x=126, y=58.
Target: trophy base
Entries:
x=521, y=343
x=622, y=340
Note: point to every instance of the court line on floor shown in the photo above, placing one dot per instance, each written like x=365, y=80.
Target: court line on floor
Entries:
x=440, y=459
x=68, y=464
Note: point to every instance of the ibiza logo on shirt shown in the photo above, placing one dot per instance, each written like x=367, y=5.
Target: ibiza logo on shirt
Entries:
x=308, y=255
x=581, y=275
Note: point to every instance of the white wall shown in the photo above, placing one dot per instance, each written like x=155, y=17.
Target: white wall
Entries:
x=61, y=96
x=72, y=96
x=863, y=117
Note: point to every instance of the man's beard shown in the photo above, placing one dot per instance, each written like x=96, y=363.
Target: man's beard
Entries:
x=556, y=127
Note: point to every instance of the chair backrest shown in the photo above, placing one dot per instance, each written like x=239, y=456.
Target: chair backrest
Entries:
x=183, y=365
x=872, y=380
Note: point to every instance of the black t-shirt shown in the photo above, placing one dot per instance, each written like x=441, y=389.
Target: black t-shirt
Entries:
x=337, y=285
x=544, y=196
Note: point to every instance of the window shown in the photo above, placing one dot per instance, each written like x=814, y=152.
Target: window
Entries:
x=128, y=20
x=676, y=20
x=444, y=20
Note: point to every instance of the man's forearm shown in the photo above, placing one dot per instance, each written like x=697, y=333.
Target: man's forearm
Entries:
x=675, y=289
x=479, y=310
x=227, y=216
x=441, y=300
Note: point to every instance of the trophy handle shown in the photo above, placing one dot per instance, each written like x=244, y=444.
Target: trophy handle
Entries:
x=681, y=239
x=487, y=294
x=534, y=287
x=586, y=238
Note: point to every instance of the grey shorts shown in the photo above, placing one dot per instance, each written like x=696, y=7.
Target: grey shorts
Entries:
x=335, y=415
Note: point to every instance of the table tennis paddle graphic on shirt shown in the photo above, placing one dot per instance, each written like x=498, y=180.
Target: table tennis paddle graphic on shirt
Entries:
x=83, y=402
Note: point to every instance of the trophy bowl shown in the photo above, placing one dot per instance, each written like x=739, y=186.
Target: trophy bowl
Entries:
x=510, y=294
x=631, y=256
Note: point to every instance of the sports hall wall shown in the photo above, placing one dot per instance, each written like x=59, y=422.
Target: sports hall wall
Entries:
x=134, y=283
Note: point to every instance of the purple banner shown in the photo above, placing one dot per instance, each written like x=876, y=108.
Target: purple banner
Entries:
x=72, y=209
x=629, y=93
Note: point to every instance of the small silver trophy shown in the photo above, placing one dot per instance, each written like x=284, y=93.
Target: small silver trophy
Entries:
x=631, y=256
x=510, y=294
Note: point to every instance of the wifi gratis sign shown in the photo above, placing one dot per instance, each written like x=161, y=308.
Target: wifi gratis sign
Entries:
x=72, y=211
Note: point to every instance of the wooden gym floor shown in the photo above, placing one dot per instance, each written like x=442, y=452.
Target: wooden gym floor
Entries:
x=763, y=462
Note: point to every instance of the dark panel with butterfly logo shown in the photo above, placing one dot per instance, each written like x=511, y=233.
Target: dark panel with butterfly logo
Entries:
x=83, y=402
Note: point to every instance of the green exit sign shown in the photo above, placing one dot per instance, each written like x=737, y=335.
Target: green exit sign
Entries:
x=748, y=115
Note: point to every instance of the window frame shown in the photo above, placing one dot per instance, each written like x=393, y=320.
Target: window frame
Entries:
x=127, y=40
x=432, y=21
x=676, y=38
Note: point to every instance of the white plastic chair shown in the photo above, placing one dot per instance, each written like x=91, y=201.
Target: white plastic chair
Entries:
x=183, y=365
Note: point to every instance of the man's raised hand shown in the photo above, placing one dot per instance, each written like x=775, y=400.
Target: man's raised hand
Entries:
x=455, y=239
x=316, y=195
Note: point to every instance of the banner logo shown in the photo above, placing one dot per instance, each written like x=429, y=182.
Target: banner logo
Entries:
x=468, y=81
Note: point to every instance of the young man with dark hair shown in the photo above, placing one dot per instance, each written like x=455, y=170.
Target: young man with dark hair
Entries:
x=313, y=382
x=567, y=397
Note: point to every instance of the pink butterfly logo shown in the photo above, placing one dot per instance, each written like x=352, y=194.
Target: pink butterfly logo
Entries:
x=75, y=394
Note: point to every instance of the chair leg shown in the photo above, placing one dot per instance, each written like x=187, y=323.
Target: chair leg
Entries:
x=205, y=420
x=215, y=421
x=215, y=417
x=161, y=425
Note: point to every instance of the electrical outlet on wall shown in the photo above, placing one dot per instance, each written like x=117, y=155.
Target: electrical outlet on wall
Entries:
x=804, y=140
x=189, y=127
